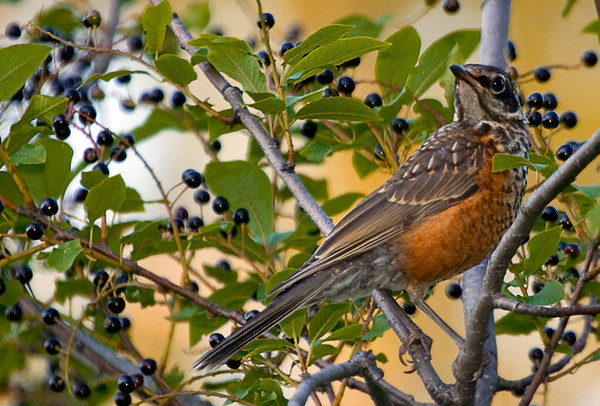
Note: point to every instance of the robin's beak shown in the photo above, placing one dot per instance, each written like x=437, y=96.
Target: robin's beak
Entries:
x=462, y=74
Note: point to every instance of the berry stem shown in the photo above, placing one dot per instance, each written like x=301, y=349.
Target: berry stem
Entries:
x=21, y=185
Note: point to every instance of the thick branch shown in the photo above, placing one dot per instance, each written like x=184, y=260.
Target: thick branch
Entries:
x=502, y=302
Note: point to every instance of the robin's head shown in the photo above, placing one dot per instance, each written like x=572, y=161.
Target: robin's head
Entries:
x=485, y=93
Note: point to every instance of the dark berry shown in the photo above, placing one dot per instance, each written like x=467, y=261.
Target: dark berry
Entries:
x=50, y=316
x=194, y=287
x=450, y=6
x=2, y=286
x=56, y=383
x=537, y=287
x=328, y=92
x=572, y=273
x=125, y=323
x=87, y=114
x=124, y=79
x=214, y=339
x=35, y=230
x=241, y=216
x=73, y=95
x=102, y=167
x=104, y=138
x=178, y=99
x=352, y=63
x=550, y=120
x=52, y=346
x=233, y=363
x=220, y=205
x=201, y=196
x=90, y=156
x=112, y=324
x=552, y=261
x=118, y=154
x=535, y=354
x=13, y=31
x=264, y=56
x=156, y=95
x=91, y=19
x=134, y=43
x=127, y=140
x=194, y=223
x=251, y=314
x=346, y=85
x=49, y=207
x=542, y=74
x=269, y=21
x=572, y=250
x=1, y=206
x=399, y=125
x=409, y=308
x=148, y=366
x=564, y=221
x=178, y=224
x=549, y=214
x=99, y=279
x=216, y=146
x=511, y=51
x=139, y=380
x=535, y=100
x=46, y=35
x=284, y=47
x=14, y=313
x=67, y=53
x=569, y=337
x=122, y=399
x=550, y=101
x=534, y=118
x=116, y=304
x=373, y=100
x=453, y=290
x=60, y=122
x=589, y=58
x=81, y=390
x=56, y=87
x=308, y=129
x=63, y=133
x=23, y=273
x=565, y=151
x=191, y=178
x=549, y=331
x=224, y=265
x=569, y=119
x=126, y=384
x=325, y=77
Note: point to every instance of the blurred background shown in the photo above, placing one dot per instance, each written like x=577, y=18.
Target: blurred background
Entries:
x=542, y=37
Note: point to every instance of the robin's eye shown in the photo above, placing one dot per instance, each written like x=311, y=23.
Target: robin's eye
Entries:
x=498, y=84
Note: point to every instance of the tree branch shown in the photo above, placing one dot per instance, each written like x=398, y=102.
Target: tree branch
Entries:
x=502, y=302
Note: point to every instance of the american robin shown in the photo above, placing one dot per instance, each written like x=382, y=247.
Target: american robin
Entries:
x=441, y=213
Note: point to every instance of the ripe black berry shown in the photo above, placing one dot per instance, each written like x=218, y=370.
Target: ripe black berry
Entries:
x=91, y=19
x=125, y=323
x=14, y=313
x=572, y=250
x=552, y=261
x=178, y=99
x=511, y=51
x=52, y=346
x=139, y=380
x=1, y=206
x=122, y=399
x=565, y=151
x=352, y=63
x=62, y=134
x=269, y=21
x=34, y=231
x=325, y=77
x=534, y=118
x=49, y=207
x=569, y=119
x=537, y=287
x=450, y=6
x=102, y=167
x=564, y=221
x=220, y=205
x=328, y=92
x=116, y=304
x=216, y=146
x=550, y=120
x=126, y=384
x=2, y=286
x=104, y=138
x=535, y=354
x=589, y=58
x=127, y=140
x=542, y=74
x=224, y=265
x=549, y=331
x=50, y=316
x=201, y=196
x=399, y=125
x=264, y=56
x=56, y=383
x=87, y=114
x=67, y=53
x=134, y=43
x=13, y=31
x=453, y=290
x=180, y=212
x=191, y=178
x=178, y=224
x=308, y=129
x=550, y=101
x=60, y=122
x=194, y=223
x=81, y=390
x=118, y=154
x=569, y=337
x=112, y=324
x=535, y=100
x=373, y=100
x=284, y=47
x=99, y=279
x=233, y=363
x=241, y=216
x=90, y=156
x=549, y=214
x=156, y=95
x=214, y=339
x=251, y=314
x=23, y=273
x=409, y=308
x=346, y=85
x=148, y=366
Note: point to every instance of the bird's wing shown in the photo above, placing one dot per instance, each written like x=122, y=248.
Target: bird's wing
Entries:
x=438, y=175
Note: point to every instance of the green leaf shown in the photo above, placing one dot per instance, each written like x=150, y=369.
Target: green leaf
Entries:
x=541, y=247
x=325, y=35
x=29, y=154
x=233, y=296
x=325, y=319
x=362, y=165
x=337, y=108
x=396, y=63
x=106, y=77
x=592, y=191
x=41, y=107
x=568, y=6
x=239, y=64
x=155, y=20
x=201, y=325
x=434, y=61
x=51, y=178
x=133, y=202
x=380, y=326
x=592, y=287
x=200, y=56
x=220, y=274
x=14, y=291
x=157, y=121
x=66, y=289
x=320, y=351
x=246, y=186
x=347, y=333
x=292, y=326
x=316, y=151
x=59, y=17
x=197, y=15
x=340, y=203
x=261, y=345
x=502, y=162
x=593, y=220
x=143, y=296
x=106, y=195
x=595, y=357
x=515, y=324
x=278, y=278
x=176, y=69
x=593, y=28
x=551, y=293
x=364, y=26
x=19, y=62
x=333, y=54
x=61, y=258
x=269, y=105
x=89, y=179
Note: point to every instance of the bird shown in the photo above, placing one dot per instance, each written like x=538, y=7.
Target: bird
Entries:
x=442, y=212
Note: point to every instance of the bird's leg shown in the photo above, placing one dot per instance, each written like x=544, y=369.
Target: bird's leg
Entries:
x=420, y=303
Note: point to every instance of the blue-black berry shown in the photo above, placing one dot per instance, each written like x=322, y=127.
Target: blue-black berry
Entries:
x=50, y=316
x=535, y=101
x=13, y=31
x=535, y=354
x=534, y=118
x=269, y=21
x=112, y=324
x=399, y=125
x=373, y=100
x=194, y=223
x=178, y=99
x=126, y=384
x=201, y=196
x=550, y=120
x=122, y=399
x=56, y=383
x=35, y=230
x=549, y=214
x=220, y=205
x=511, y=51
x=325, y=77
x=14, y=313
x=346, y=85
x=550, y=101
x=191, y=178
x=49, y=207
x=589, y=58
x=214, y=339
x=87, y=114
x=308, y=129
x=116, y=304
x=569, y=119
x=23, y=273
x=284, y=47
x=52, y=346
x=82, y=390
x=542, y=74
x=148, y=366
x=241, y=216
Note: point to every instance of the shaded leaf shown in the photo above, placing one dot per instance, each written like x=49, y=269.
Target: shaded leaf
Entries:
x=12, y=294
x=292, y=326
x=324, y=320
x=157, y=121
x=379, y=326
x=337, y=108
x=515, y=324
x=41, y=107
x=364, y=26
x=133, y=202
x=29, y=154
x=106, y=77
x=197, y=15
x=551, y=293
x=593, y=28
x=61, y=258
x=323, y=36
x=141, y=295
x=261, y=345
x=177, y=70
x=502, y=162
x=540, y=248
x=321, y=351
x=66, y=289
x=341, y=203
x=362, y=165
x=347, y=333
x=155, y=20
x=316, y=151
x=201, y=325
x=19, y=62
x=106, y=195
x=145, y=239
